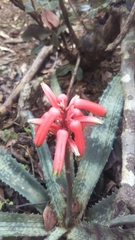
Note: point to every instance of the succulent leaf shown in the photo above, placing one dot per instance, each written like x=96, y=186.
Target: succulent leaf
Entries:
x=99, y=144
x=96, y=231
x=53, y=188
x=15, y=224
x=55, y=86
x=56, y=234
x=102, y=211
x=122, y=220
x=14, y=175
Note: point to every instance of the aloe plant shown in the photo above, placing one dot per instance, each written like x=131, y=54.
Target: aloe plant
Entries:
x=97, y=223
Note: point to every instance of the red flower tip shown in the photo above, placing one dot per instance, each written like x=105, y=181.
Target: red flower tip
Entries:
x=73, y=99
x=62, y=137
x=73, y=147
x=49, y=94
x=36, y=121
x=89, y=120
x=95, y=108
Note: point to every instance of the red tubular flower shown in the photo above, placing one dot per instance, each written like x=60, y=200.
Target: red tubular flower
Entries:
x=76, y=127
x=43, y=129
x=49, y=94
x=77, y=113
x=95, y=108
x=61, y=141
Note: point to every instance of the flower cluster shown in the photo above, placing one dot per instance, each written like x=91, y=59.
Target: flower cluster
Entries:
x=67, y=122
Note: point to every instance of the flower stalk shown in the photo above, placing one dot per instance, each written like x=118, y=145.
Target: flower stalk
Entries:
x=68, y=219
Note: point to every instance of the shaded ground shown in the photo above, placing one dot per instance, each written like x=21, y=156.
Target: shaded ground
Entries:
x=15, y=60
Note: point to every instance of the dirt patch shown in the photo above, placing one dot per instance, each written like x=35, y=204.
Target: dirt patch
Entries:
x=15, y=54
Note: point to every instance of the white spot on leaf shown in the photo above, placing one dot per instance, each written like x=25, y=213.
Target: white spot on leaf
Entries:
x=126, y=78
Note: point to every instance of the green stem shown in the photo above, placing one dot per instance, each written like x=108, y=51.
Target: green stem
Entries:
x=69, y=189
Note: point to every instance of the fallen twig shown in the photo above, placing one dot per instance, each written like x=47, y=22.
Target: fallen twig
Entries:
x=45, y=51
x=124, y=30
x=14, y=40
